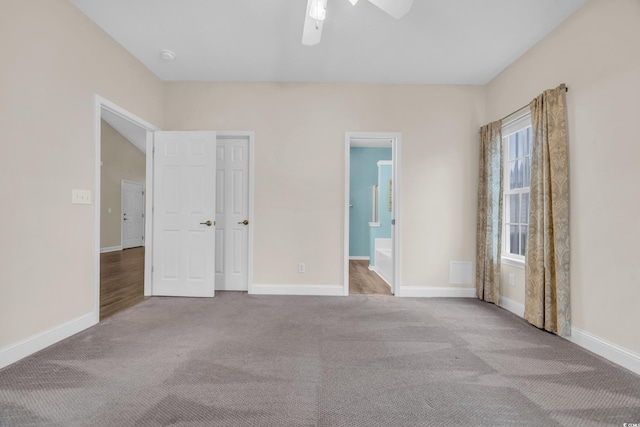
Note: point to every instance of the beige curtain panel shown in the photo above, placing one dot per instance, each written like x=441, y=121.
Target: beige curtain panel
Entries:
x=547, y=259
x=489, y=225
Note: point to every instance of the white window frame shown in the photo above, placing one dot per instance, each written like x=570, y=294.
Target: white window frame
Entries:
x=515, y=123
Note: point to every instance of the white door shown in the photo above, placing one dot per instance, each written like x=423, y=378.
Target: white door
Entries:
x=232, y=213
x=132, y=214
x=184, y=213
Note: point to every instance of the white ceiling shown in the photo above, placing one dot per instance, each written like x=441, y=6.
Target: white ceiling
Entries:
x=437, y=42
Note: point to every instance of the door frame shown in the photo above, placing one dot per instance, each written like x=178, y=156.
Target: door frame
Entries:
x=101, y=104
x=250, y=136
x=396, y=144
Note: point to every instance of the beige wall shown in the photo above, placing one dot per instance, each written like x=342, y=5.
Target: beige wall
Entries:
x=596, y=53
x=54, y=61
x=120, y=160
x=299, y=188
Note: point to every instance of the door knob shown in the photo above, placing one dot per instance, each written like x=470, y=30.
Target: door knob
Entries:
x=208, y=223
x=245, y=222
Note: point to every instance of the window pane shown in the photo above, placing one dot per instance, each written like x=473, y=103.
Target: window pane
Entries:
x=514, y=248
x=512, y=147
x=519, y=173
x=514, y=208
x=523, y=239
x=520, y=143
x=524, y=208
x=512, y=175
x=527, y=172
x=527, y=142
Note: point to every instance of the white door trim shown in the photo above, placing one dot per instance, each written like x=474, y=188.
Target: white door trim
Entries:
x=144, y=189
x=396, y=143
x=148, y=224
x=100, y=104
x=250, y=135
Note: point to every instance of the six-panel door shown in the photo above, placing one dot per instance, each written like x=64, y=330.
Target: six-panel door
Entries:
x=132, y=214
x=184, y=214
x=232, y=210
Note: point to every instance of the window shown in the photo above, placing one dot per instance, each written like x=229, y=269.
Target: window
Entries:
x=516, y=140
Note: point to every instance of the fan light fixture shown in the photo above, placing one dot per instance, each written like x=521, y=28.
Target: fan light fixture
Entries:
x=319, y=10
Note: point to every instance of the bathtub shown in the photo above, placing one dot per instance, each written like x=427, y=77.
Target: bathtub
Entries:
x=383, y=261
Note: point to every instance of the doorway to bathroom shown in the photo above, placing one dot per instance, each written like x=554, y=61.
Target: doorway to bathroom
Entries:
x=371, y=255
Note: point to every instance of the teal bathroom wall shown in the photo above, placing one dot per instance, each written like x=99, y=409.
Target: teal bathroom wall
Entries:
x=363, y=176
x=385, y=173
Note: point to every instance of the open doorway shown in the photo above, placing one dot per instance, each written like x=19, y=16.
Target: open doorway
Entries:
x=122, y=174
x=141, y=134
x=371, y=253
x=122, y=183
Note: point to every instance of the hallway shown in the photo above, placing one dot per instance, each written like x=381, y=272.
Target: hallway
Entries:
x=121, y=280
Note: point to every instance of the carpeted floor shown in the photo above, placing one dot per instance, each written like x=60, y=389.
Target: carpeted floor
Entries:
x=241, y=360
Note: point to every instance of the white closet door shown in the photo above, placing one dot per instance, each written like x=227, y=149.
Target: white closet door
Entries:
x=232, y=213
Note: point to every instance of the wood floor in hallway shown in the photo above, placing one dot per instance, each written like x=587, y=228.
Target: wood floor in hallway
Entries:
x=364, y=281
x=121, y=280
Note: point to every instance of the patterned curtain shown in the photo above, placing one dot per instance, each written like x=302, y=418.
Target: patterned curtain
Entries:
x=547, y=258
x=489, y=230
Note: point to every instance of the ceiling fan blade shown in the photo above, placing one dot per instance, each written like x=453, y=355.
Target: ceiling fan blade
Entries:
x=395, y=8
x=312, y=29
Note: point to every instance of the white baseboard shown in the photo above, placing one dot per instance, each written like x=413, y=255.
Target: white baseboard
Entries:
x=228, y=287
x=436, y=292
x=15, y=352
x=110, y=249
x=610, y=351
x=512, y=306
x=359, y=258
x=375, y=270
x=322, y=290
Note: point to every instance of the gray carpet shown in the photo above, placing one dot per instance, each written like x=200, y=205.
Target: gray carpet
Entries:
x=240, y=360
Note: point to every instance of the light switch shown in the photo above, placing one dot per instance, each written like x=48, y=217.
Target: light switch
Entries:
x=81, y=197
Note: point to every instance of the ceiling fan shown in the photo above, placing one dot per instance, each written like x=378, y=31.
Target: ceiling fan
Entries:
x=317, y=12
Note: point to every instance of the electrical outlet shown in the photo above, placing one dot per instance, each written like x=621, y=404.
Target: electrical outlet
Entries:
x=512, y=279
x=301, y=267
